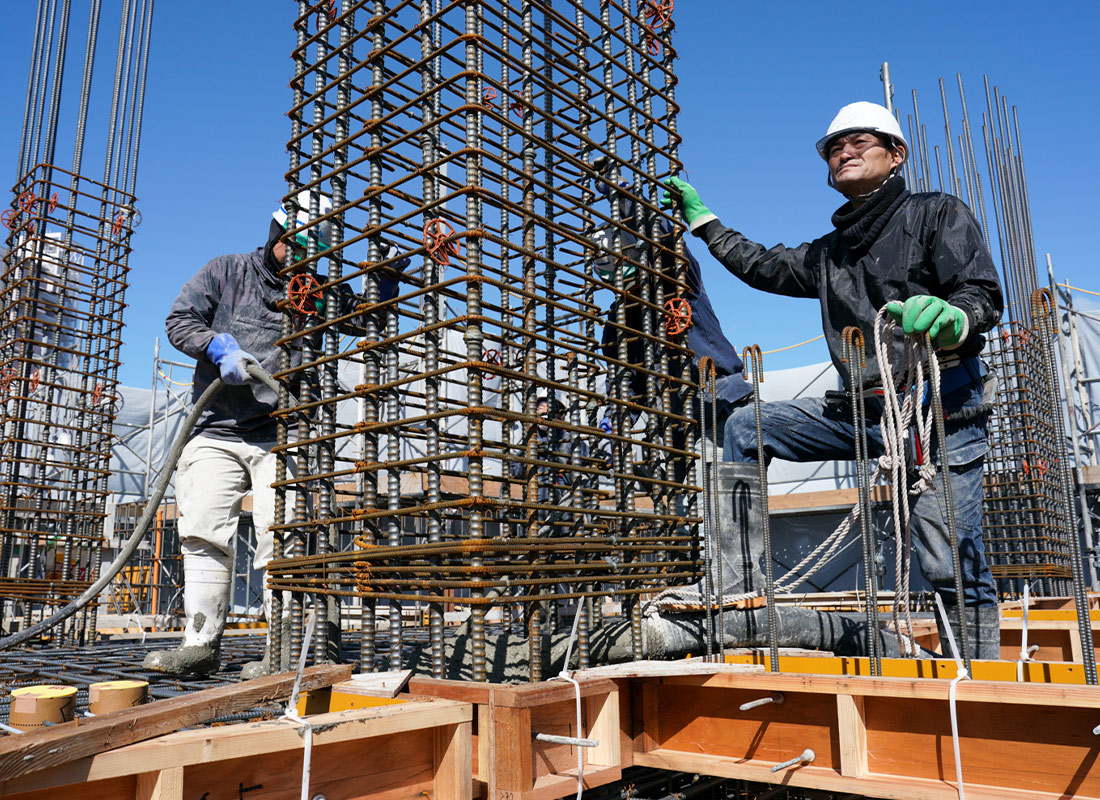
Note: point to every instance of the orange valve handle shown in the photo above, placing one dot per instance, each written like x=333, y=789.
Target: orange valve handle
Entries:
x=677, y=316
x=304, y=292
x=436, y=234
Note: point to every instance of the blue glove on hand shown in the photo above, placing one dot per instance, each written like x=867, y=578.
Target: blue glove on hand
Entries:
x=923, y=313
x=230, y=359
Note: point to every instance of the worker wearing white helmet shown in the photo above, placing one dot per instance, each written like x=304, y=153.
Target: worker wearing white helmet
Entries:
x=229, y=315
x=924, y=255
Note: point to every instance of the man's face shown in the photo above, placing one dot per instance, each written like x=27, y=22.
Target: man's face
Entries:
x=861, y=162
x=278, y=250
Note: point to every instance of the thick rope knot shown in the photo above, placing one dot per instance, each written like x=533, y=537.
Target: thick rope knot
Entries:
x=888, y=463
x=926, y=474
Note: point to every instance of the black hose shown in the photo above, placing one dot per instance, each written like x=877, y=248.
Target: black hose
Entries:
x=152, y=505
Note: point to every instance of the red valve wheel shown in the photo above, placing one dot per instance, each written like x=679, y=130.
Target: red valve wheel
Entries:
x=120, y=220
x=27, y=201
x=436, y=233
x=677, y=316
x=10, y=218
x=659, y=14
x=517, y=106
x=34, y=382
x=492, y=356
x=487, y=98
x=97, y=394
x=304, y=292
x=654, y=45
x=53, y=202
x=7, y=377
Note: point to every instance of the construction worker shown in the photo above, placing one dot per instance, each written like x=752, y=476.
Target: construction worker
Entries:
x=924, y=255
x=705, y=338
x=228, y=317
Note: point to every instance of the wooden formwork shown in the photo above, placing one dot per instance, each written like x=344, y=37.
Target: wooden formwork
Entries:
x=395, y=752
x=511, y=764
x=876, y=737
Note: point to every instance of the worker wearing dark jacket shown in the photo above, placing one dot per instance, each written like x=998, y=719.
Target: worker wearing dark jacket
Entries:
x=227, y=317
x=924, y=256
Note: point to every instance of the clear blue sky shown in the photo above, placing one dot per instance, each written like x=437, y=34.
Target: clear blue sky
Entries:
x=759, y=84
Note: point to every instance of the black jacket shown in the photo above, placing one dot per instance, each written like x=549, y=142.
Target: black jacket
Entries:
x=931, y=245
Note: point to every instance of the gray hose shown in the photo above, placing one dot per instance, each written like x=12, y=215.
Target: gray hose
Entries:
x=152, y=505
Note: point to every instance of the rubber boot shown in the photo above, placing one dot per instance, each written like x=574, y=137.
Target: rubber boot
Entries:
x=207, y=574
x=740, y=532
x=740, y=528
x=983, y=629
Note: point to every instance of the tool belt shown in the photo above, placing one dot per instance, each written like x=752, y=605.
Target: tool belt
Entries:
x=956, y=374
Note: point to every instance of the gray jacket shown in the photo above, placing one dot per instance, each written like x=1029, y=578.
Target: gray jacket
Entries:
x=238, y=295
x=233, y=294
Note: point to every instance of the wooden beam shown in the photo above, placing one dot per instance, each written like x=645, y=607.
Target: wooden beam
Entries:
x=602, y=716
x=186, y=749
x=853, y=735
x=166, y=784
x=453, y=762
x=1050, y=695
x=72, y=740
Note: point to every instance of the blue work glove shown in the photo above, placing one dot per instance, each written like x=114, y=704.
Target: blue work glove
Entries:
x=923, y=313
x=230, y=359
x=683, y=194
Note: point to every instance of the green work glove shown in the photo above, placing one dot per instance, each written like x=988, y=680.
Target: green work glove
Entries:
x=923, y=313
x=683, y=194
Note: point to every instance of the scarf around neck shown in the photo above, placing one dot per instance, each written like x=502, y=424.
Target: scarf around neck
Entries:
x=859, y=227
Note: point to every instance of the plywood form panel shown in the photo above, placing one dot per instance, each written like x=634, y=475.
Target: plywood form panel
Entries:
x=697, y=719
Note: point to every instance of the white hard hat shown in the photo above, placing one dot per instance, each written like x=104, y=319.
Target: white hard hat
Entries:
x=320, y=232
x=863, y=116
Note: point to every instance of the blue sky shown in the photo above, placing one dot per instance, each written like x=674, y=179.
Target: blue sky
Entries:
x=759, y=84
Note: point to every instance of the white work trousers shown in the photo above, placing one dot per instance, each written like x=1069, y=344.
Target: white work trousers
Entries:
x=212, y=479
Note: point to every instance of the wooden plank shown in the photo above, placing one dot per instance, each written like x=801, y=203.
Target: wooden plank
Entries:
x=853, y=735
x=165, y=784
x=453, y=762
x=930, y=689
x=524, y=696
x=651, y=669
x=213, y=745
x=375, y=684
x=513, y=760
x=112, y=789
x=484, y=742
x=72, y=740
x=832, y=498
x=602, y=716
x=650, y=718
x=892, y=787
x=923, y=668
x=399, y=766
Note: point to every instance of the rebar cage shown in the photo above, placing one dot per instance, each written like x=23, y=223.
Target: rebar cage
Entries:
x=502, y=413
x=63, y=287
